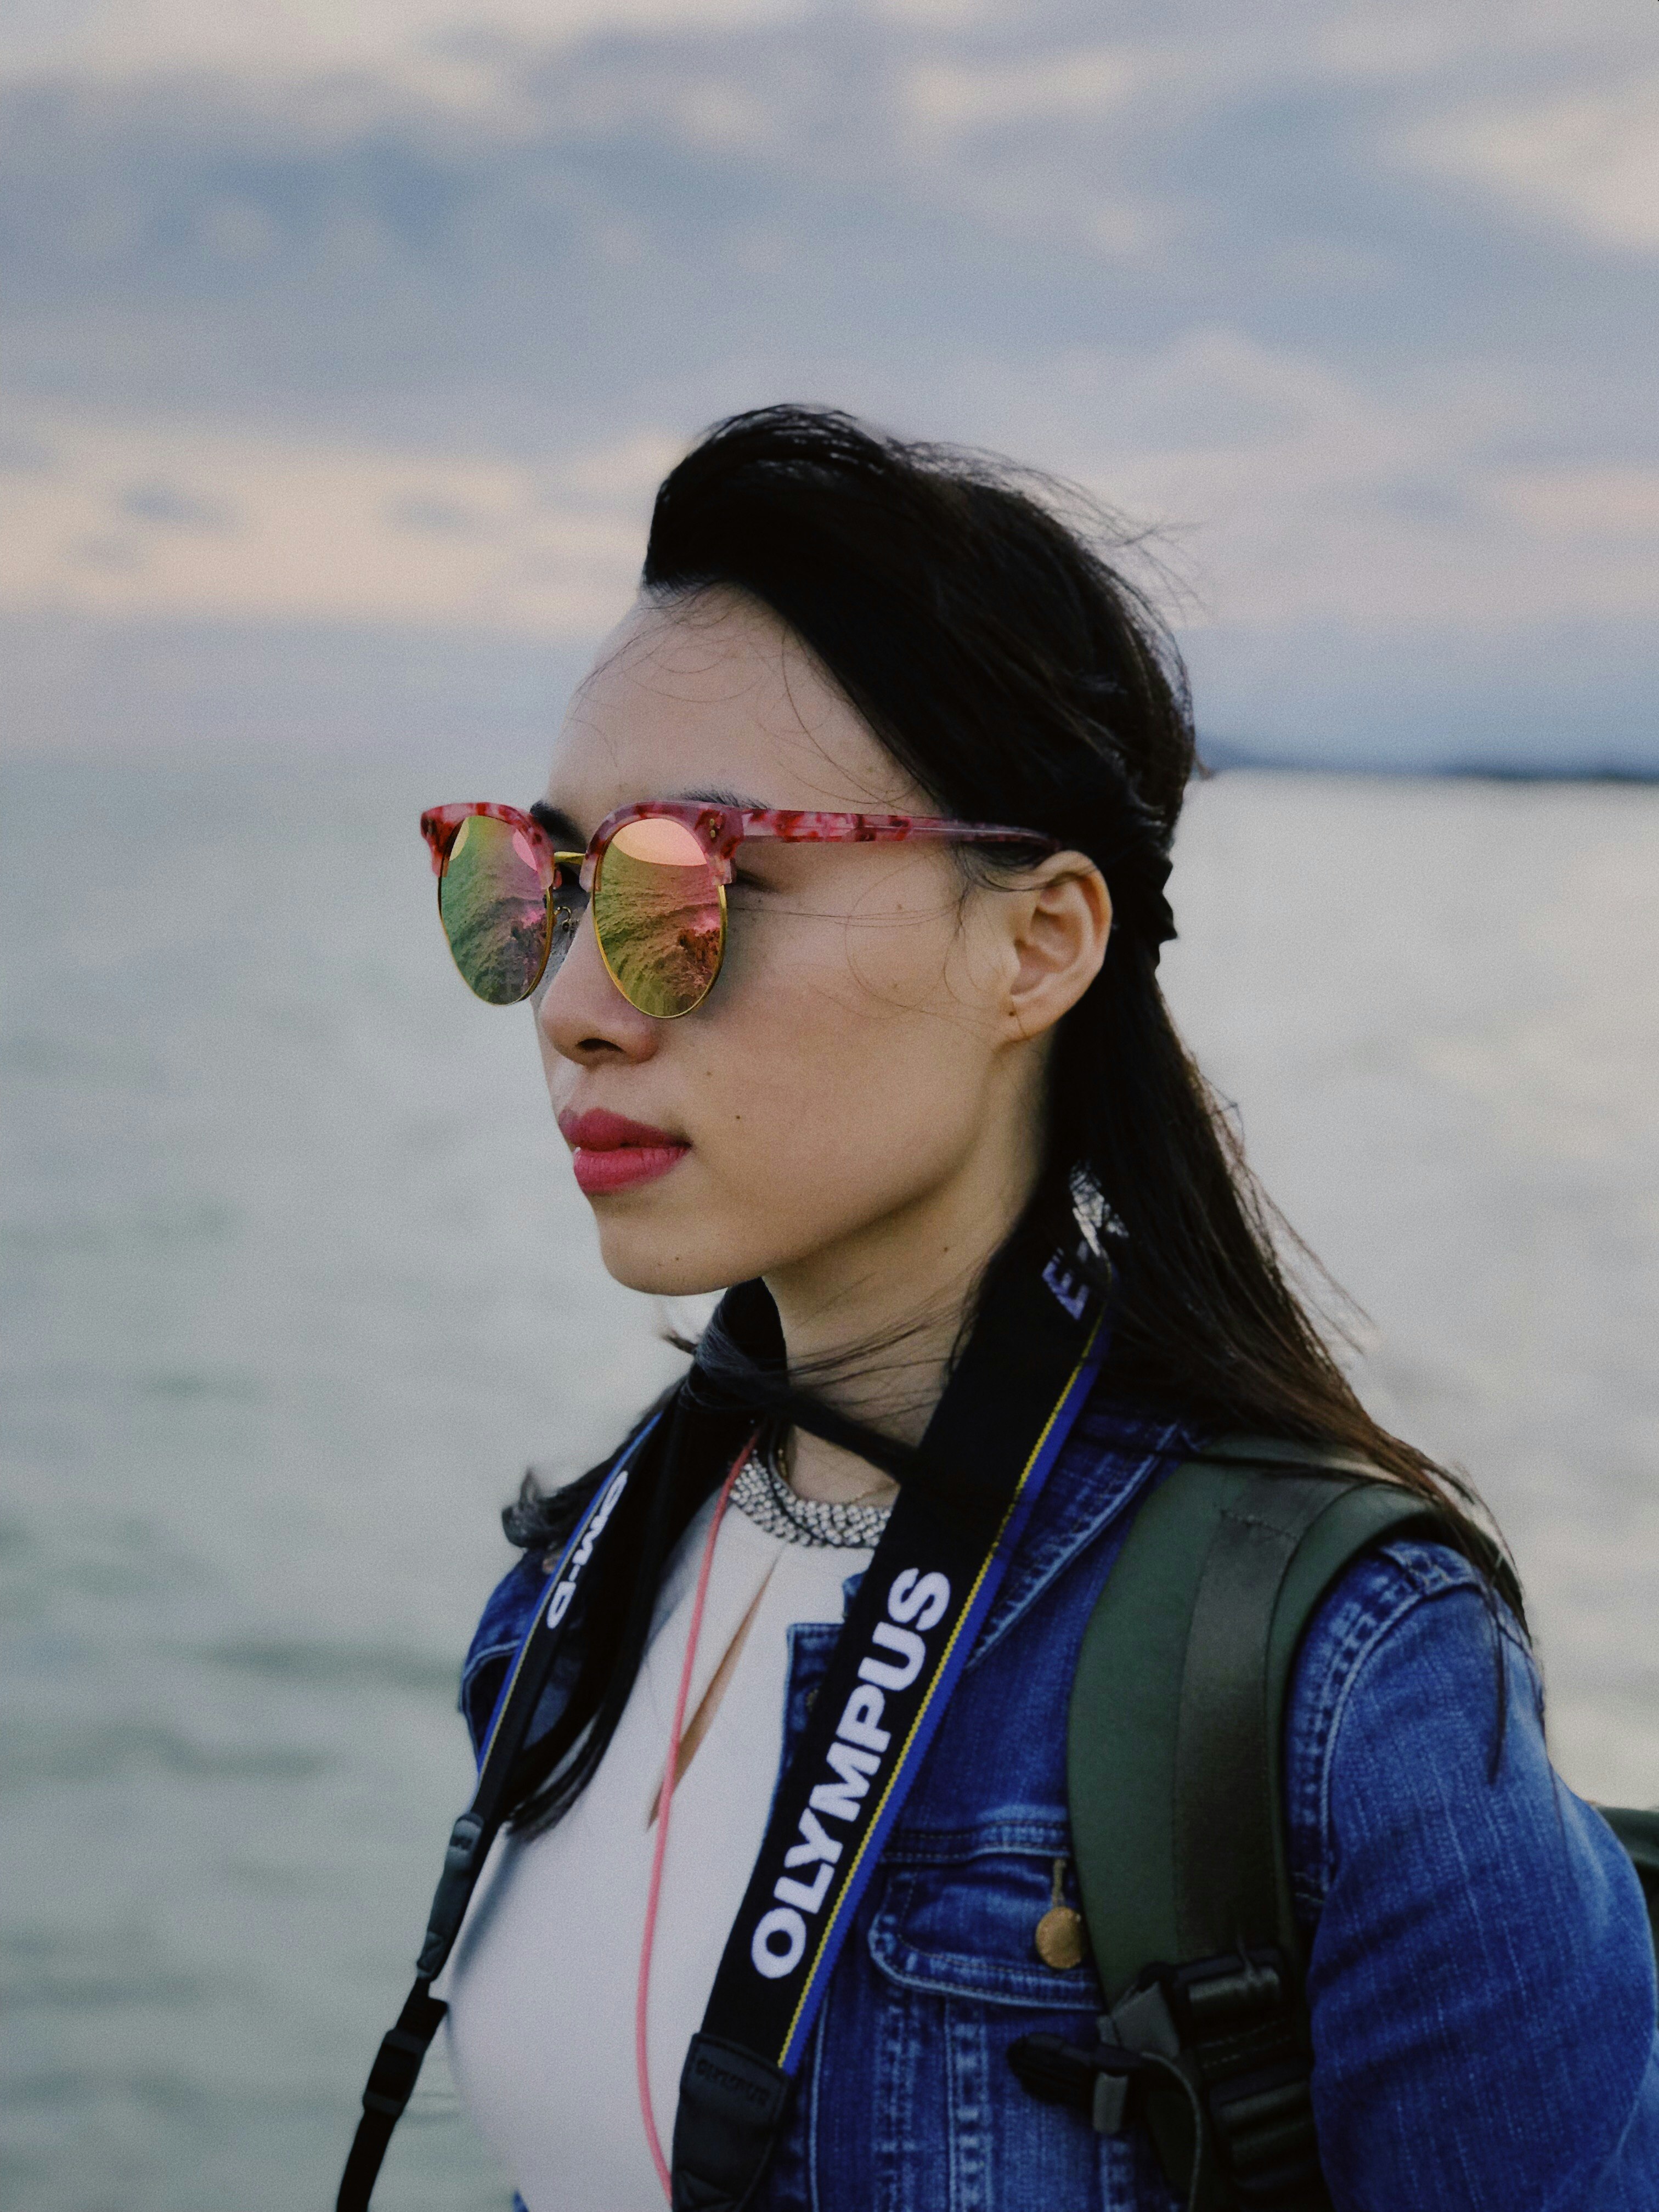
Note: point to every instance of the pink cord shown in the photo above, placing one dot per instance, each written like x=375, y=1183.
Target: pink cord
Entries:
x=664, y=1803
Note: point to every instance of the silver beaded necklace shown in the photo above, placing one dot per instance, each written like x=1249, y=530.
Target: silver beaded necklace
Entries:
x=762, y=1493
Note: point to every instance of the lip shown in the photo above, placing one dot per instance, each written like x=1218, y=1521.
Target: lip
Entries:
x=609, y=1153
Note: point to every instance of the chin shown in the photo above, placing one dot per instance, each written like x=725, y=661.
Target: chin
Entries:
x=644, y=1259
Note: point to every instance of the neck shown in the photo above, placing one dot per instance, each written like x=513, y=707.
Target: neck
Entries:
x=871, y=1325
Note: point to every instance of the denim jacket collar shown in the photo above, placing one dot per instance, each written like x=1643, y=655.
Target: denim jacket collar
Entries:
x=1110, y=1458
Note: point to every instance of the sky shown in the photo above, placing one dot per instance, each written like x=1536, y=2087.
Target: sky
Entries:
x=344, y=345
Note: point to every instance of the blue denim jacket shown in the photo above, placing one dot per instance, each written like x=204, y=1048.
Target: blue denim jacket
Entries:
x=1480, y=1976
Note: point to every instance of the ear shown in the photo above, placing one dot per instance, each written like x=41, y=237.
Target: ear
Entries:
x=1060, y=921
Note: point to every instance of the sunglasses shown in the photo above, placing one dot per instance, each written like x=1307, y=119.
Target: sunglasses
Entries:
x=654, y=876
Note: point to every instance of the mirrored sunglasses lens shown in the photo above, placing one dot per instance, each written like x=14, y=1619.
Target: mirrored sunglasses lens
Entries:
x=495, y=911
x=657, y=909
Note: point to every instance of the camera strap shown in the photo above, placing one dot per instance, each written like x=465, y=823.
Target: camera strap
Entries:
x=995, y=1436
x=397, y=2064
x=909, y=1630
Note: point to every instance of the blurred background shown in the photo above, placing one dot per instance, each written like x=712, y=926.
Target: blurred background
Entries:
x=344, y=348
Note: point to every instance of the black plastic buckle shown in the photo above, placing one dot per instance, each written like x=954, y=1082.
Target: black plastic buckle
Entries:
x=1222, y=1997
x=1236, y=2020
x=1090, y=2081
x=1229, y=2027
x=1061, y=2073
x=453, y=1893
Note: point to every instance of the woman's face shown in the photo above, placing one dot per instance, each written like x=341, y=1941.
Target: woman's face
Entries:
x=856, y=1067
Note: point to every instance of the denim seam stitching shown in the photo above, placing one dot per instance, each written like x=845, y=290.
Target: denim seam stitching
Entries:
x=1393, y=1578
x=1349, y=1664
x=1127, y=1495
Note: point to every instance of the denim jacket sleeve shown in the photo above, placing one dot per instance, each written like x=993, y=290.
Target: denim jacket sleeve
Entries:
x=1480, y=1975
x=498, y=1635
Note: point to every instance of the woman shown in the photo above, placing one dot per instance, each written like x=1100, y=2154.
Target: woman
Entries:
x=915, y=1085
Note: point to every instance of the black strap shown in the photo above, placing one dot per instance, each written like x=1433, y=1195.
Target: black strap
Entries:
x=992, y=1438
x=397, y=2064
x=999, y=1425
x=391, y=2084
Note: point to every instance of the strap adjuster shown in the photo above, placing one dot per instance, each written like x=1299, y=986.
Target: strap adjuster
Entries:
x=1094, y=2082
x=1224, y=2032
x=1235, y=2018
x=396, y=2069
x=467, y=1844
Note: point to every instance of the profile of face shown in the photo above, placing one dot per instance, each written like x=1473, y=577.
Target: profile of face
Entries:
x=862, y=1090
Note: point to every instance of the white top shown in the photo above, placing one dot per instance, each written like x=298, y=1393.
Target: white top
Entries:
x=541, y=1987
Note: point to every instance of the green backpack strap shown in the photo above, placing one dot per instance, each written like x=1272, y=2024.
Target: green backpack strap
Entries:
x=1174, y=1780
x=1174, y=1773
x=1174, y=1751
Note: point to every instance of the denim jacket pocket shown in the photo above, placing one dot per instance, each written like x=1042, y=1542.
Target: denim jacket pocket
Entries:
x=958, y=1915
x=930, y=2116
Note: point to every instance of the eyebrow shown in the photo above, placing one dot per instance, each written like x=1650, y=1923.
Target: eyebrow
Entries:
x=566, y=837
x=723, y=799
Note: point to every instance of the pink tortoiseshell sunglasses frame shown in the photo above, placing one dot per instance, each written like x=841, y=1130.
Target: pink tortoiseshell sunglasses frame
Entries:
x=720, y=831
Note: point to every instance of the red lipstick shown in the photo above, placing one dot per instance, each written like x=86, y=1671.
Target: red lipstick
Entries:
x=609, y=1153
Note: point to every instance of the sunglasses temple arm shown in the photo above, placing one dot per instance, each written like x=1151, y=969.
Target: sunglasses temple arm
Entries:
x=977, y=833
x=863, y=830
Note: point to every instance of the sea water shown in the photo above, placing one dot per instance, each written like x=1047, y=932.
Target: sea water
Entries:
x=296, y=1281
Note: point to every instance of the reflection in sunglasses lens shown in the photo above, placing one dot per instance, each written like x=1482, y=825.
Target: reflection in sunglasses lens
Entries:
x=495, y=909
x=657, y=910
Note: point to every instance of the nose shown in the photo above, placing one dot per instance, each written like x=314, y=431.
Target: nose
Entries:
x=585, y=1018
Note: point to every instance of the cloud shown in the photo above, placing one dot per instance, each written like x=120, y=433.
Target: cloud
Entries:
x=1292, y=492
x=385, y=318
x=424, y=43
x=432, y=511
x=159, y=501
x=1578, y=503
x=298, y=531
x=1585, y=160
x=21, y=454
x=952, y=96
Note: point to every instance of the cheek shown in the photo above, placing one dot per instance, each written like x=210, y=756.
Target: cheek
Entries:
x=836, y=1073
x=856, y=1060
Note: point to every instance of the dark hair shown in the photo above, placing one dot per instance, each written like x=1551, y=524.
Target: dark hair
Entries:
x=962, y=608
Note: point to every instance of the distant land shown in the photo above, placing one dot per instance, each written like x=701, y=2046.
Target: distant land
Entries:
x=1220, y=756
